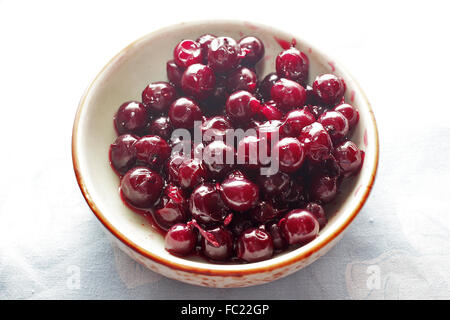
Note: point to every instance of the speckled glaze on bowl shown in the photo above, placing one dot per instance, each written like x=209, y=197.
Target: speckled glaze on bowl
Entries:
x=123, y=78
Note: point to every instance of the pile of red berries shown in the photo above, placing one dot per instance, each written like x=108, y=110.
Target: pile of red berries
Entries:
x=227, y=210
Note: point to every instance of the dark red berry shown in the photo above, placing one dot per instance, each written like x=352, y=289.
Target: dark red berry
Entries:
x=274, y=230
x=299, y=227
x=225, y=247
x=329, y=89
x=218, y=158
x=184, y=112
x=289, y=153
x=122, y=153
x=241, y=106
x=204, y=41
x=152, y=150
x=318, y=212
x=223, y=54
x=239, y=193
x=158, y=96
x=187, y=52
x=215, y=128
x=198, y=81
x=161, y=127
x=288, y=94
x=349, y=157
x=335, y=123
x=132, y=117
x=316, y=141
x=207, y=206
x=265, y=86
x=242, y=79
x=171, y=209
x=141, y=187
x=181, y=239
x=264, y=212
x=293, y=64
x=323, y=188
x=350, y=112
x=295, y=121
x=252, y=50
x=254, y=245
x=174, y=73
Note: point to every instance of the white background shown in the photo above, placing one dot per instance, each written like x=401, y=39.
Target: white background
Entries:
x=52, y=246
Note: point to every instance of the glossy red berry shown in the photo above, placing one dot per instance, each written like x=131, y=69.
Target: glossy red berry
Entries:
x=299, y=227
x=187, y=52
x=239, y=193
x=152, y=150
x=288, y=94
x=131, y=117
x=295, y=121
x=293, y=64
x=349, y=157
x=171, y=209
x=241, y=106
x=141, y=187
x=122, y=153
x=158, y=96
x=318, y=212
x=252, y=50
x=225, y=248
x=198, y=81
x=350, y=112
x=174, y=73
x=223, y=54
x=335, y=123
x=254, y=245
x=329, y=89
x=184, y=112
x=242, y=79
x=218, y=158
x=161, y=127
x=204, y=41
x=207, y=206
x=323, y=188
x=289, y=153
x=181, y=239
x=316, y=141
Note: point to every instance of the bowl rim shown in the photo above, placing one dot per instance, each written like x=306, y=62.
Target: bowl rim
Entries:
x=205, y=270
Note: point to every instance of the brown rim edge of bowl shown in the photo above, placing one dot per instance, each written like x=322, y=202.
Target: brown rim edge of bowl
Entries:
x=204, y=271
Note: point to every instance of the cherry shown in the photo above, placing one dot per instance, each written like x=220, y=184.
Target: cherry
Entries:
x=225, y=247
x=275, y=186
x=349, y=157
x=141, y=187
x=293, y=64
x=289, y=153
x=198, y=81
x=158, y=96
x=131, y=117
x=204, y=41
x=239, y=193
x=318, y=212
x=174, y=73
x=349, y=112
x=152, y=150
x=191, y=173
x=186, y=53
x=288, y=94
x=252, y=49
x=323, y=188
x=223, y=54
x=171, y=209
x=295, y=121
x=215, y=128
x=248, y=152
x=184, y=112
x=316, y=141
x=329, y=89
x=122, y=153
x=206, y=205
x=254, y=245
x=269, y=131
x=218, y=158
x=241, y=106
x=335, y=123
x=270, y=111
x=274, y=230
x=299, y=227
x=266, y=84
x=242, y=79
x=181, y=239
x=264, y=212
x=161, y=127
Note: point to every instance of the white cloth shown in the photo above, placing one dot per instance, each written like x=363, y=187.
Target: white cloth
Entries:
x=52, y=246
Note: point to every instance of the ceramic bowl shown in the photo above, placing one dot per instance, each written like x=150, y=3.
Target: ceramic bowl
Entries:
x=124, y=77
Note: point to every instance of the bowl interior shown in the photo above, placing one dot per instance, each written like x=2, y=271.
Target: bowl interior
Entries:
x=143, y=62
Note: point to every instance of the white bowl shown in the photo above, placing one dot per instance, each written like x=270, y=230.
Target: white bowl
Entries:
x=124, y=78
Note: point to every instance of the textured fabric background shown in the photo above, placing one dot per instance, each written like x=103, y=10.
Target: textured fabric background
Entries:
x=52, y=246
